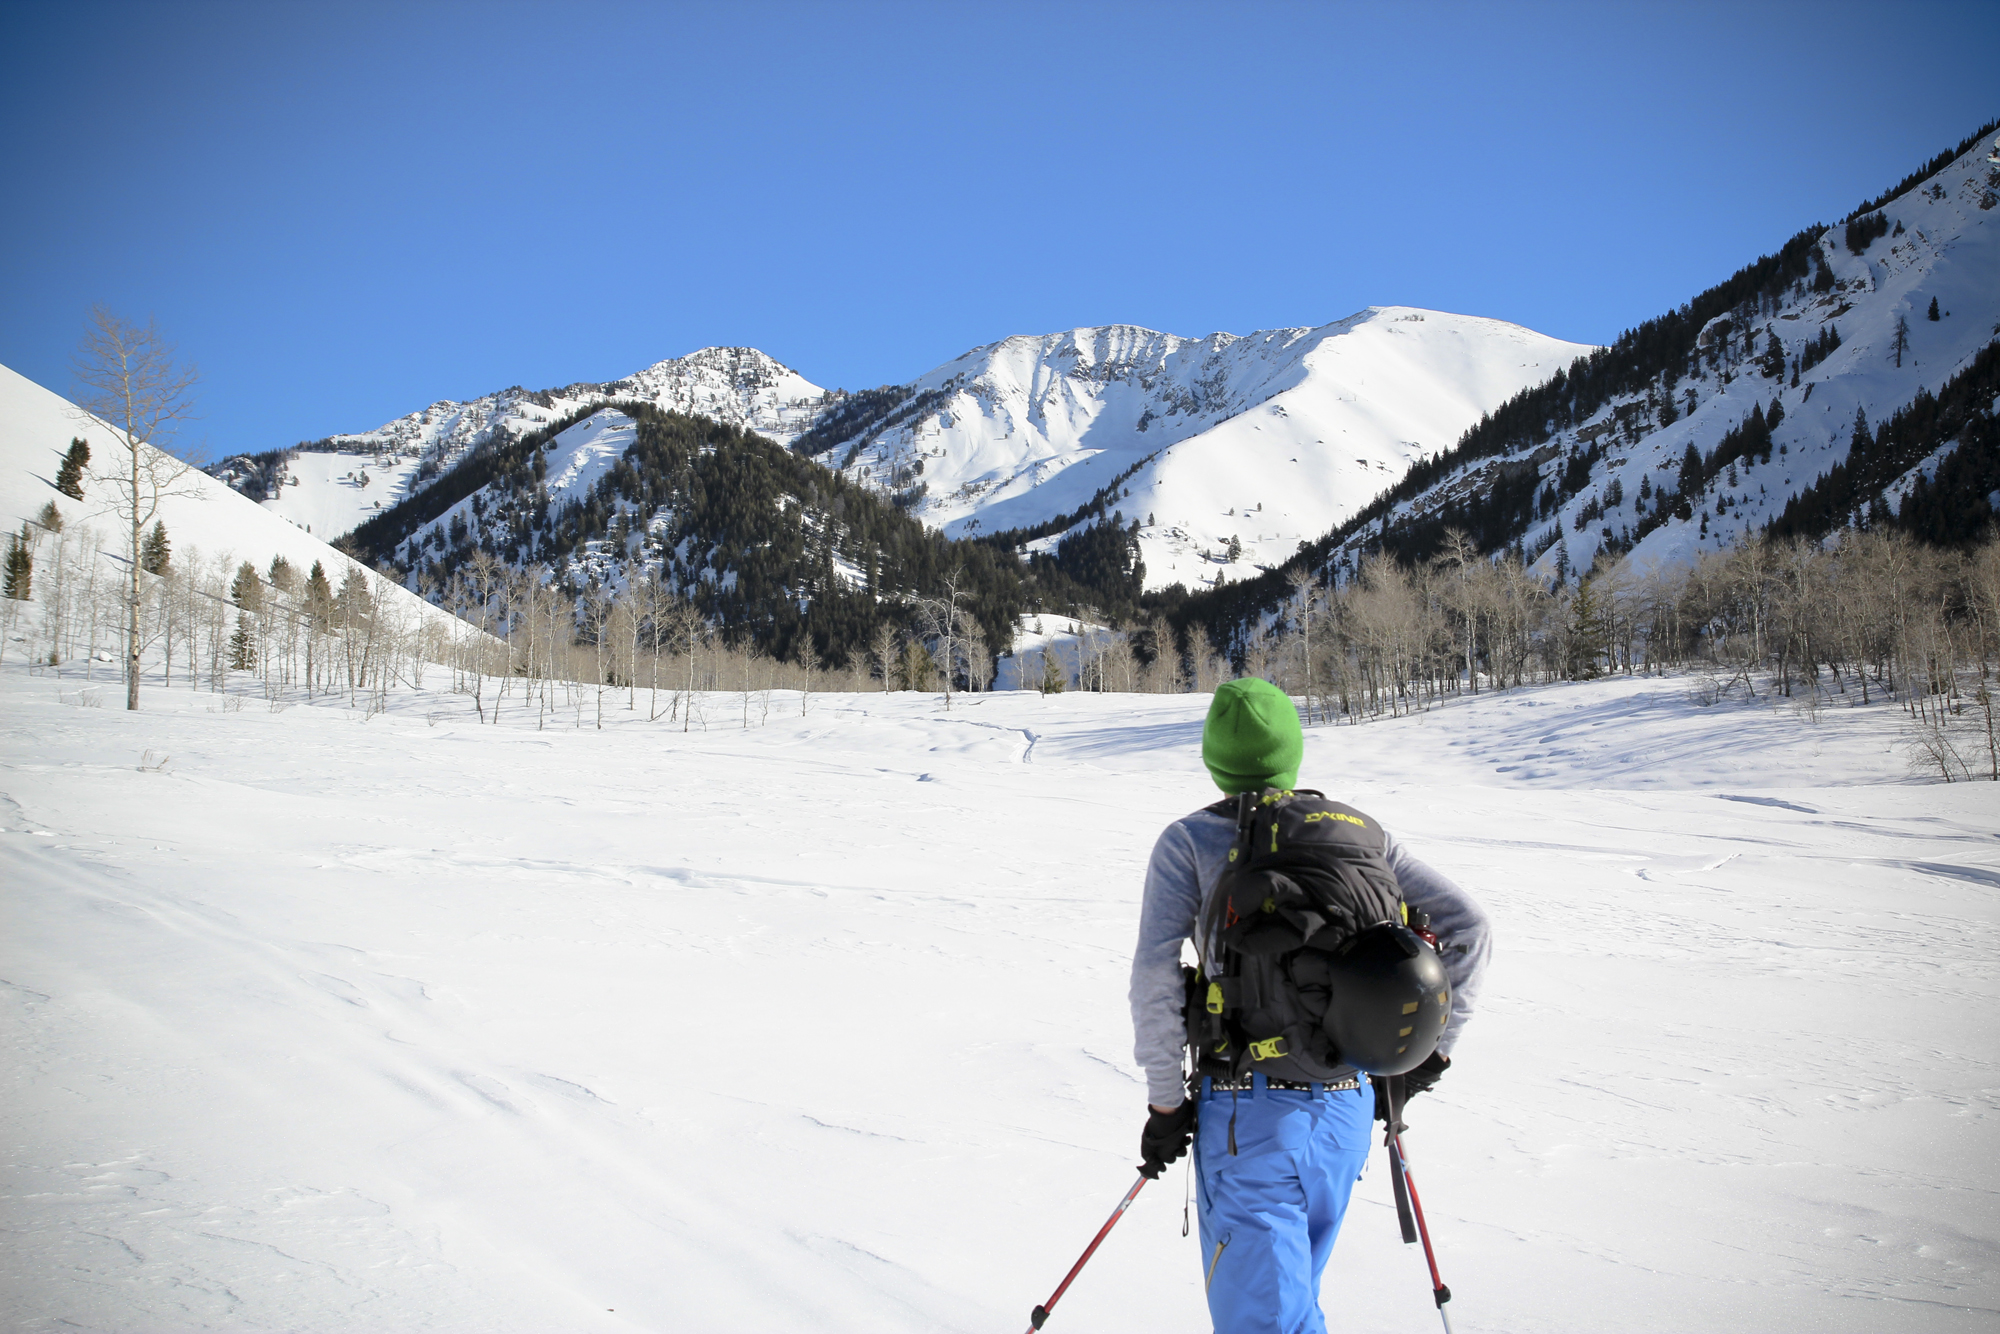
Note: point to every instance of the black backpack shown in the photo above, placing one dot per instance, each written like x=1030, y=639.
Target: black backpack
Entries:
x=1305, y=876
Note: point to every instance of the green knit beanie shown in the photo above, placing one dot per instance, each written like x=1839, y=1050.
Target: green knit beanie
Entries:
x=1252, y=738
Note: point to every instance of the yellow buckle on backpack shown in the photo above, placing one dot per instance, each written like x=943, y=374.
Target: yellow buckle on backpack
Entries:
x=1215, y=998
x=1270, y=1049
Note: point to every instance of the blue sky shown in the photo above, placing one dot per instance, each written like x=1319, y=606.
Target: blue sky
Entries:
x=342, y=212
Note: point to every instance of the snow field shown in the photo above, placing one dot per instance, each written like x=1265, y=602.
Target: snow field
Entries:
x=333, y=1023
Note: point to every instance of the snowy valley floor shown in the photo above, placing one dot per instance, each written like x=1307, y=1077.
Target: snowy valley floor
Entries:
x=405, y=1023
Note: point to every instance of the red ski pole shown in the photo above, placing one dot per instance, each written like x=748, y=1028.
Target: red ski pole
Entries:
x=1439, y=1292
x=1041, y=1313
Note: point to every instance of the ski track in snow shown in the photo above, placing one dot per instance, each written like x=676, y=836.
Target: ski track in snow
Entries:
x=341, y=1023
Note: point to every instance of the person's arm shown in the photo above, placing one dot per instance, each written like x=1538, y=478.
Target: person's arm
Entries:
x=1166, y=918
x=1465, y=936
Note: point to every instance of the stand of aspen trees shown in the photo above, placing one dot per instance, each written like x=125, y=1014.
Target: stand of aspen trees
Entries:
x=209, y=621
x=1867, y=618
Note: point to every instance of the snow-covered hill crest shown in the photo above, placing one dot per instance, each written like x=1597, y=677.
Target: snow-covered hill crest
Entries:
x=1216, y=445
x=206, y=521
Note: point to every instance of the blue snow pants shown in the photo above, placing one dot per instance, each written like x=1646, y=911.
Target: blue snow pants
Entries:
x=1271, y=1210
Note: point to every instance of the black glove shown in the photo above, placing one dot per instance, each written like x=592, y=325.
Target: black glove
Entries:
x=1425, y=1077
x=1402, y=1088
x=1165, y=1139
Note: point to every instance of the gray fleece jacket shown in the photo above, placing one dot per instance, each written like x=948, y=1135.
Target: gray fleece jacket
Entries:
x=1187, y=861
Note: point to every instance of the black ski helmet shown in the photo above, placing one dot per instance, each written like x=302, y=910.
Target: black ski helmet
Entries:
x=1390, y=1000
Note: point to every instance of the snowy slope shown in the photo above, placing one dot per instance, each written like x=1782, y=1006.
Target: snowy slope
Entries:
x=203, y=516
x=328, y=492
x=1949, y=249
x=738, y=385
x=822, y=1026
x=1268, y=438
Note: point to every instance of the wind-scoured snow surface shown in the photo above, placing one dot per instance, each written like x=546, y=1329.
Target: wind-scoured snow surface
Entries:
x=1270, y=438
x=410, y=1023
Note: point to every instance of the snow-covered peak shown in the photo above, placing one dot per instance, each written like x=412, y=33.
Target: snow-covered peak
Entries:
x=738, y=385
x=1264, y=439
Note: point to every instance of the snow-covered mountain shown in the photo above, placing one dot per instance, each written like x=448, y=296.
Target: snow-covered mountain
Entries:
x=1250, y=443
x=738, y=385
x=1854, y=330
x=1256, y=441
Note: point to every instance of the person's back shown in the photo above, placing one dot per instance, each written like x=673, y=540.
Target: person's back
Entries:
x=1277, y=1158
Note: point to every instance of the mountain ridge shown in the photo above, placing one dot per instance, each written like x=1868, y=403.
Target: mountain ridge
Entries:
x=1595, y=462
x=1013, y=434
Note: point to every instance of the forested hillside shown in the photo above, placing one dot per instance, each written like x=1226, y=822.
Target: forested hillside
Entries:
x=1731, y=417
x=772, y=549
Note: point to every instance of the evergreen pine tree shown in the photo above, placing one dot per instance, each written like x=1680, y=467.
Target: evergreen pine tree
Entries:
x=1902, y=341
x=50, y=518
x=69, y=477
x=1690, y=478
x=1589, y=635
x=20, y=580
x=1052, y=672
x=156, y=554
x=1933, y=314
x=354, y=602
x=319, y=595
x=247, y=590
x=242, y=645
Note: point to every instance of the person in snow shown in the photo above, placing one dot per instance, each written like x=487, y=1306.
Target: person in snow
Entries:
x=1278, y=1160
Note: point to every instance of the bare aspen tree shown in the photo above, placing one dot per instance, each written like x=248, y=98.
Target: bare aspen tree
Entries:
x=597, y=619
x=658, y=606
x=130, y=381
x=1460, y=556
x=940, y=620
x=882, y=648
x=808, y=664
x=1306, y=589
